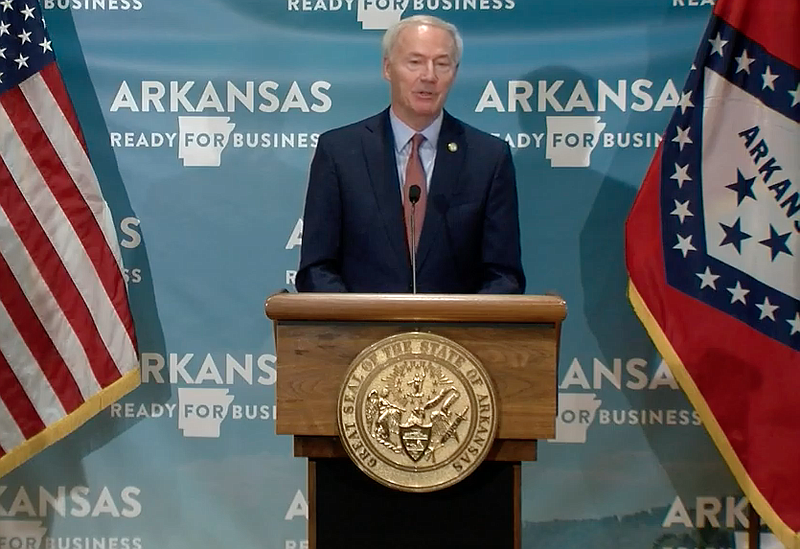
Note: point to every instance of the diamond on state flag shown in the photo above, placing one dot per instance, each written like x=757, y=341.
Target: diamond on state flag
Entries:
x=751, y=145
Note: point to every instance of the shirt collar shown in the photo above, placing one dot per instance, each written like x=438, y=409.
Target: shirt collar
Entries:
x=403, y=133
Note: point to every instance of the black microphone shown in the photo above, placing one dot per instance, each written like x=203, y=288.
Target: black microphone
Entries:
x=414, y=192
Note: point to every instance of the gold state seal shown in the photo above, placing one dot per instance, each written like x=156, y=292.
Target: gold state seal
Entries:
x=417, y=412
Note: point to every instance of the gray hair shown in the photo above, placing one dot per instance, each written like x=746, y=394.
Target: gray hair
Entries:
x=390, y=36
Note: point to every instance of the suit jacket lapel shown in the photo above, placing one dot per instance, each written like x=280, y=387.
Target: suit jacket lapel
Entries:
x=450, y=154
x=378, y=144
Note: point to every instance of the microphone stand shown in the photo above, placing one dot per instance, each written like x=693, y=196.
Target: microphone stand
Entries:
x=413, y=252
x=414, y=193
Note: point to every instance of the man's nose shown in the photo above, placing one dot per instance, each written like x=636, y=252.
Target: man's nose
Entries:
x=429, y=71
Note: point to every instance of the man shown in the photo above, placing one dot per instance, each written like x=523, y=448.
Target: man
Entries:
x=357, y=224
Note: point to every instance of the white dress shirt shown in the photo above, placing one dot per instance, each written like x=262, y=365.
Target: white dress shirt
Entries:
x=402, y=146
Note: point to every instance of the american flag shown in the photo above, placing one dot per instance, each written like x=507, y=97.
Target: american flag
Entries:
x=67, y=344
x=713, y=249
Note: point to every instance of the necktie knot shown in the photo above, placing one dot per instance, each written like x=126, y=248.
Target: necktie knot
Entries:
x=416, y=141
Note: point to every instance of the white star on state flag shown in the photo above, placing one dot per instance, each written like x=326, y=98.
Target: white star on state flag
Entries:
x=717, y=44
x=21, y=61
x=685, y=101
x=744, y=62
x=682, y=137
x=769, y=79
x=767, y=309
x=795, y=93
x=4, y=28
x=684, y=245
x=795, y=324
x=25, y=36
x=27, y=12
x=738, y=293
x=681, y=175
x=6, y=4
x=682, y=210
x=46, y=45
x=708, y=279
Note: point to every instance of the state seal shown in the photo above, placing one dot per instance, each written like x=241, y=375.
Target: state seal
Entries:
x=417, y=412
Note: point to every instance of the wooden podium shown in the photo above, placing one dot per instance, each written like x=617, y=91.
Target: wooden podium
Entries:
x=317, y=336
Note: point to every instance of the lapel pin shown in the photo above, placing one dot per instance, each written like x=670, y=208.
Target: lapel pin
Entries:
x=452, y=147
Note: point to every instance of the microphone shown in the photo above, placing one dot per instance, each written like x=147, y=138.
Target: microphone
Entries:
x=414, y=192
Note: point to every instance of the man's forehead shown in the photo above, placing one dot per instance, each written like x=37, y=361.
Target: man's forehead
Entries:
x=409, y=37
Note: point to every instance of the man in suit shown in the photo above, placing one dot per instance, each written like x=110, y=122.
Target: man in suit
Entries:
x=357, y=223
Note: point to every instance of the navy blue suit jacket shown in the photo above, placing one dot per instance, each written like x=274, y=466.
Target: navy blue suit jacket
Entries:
x=353, y=231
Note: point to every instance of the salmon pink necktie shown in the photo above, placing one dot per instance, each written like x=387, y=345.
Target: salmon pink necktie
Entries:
x=415, y=175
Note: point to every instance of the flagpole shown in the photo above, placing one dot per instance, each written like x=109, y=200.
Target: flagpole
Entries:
x=753, y=528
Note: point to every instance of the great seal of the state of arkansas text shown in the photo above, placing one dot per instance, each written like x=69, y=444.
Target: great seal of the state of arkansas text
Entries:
x=417, y=412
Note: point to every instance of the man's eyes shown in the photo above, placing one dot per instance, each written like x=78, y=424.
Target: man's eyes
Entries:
x=440, y=64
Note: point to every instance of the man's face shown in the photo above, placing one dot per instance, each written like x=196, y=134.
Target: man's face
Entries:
x=421, y=69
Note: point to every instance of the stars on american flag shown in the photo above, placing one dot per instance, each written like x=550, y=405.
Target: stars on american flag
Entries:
x=688, y=234
x=25, y=47
x=27, y=12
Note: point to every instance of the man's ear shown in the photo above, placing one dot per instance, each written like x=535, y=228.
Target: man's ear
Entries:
x=386, y=75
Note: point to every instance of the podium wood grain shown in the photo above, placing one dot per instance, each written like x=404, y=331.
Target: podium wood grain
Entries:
x=313, y=359
x=318, y=336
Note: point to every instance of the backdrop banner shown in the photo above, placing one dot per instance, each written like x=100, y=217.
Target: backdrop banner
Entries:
x=201, y=118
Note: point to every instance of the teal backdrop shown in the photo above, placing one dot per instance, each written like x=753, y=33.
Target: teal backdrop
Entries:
x=201, y=117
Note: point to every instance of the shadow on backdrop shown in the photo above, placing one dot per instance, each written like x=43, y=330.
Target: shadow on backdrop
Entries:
x=573, y=221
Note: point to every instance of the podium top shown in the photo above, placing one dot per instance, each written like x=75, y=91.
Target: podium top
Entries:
x=416, y=307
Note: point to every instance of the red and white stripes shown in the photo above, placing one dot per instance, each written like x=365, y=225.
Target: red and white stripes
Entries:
x=66, y=332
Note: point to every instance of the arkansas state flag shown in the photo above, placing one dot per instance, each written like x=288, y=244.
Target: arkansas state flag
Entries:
x=713, y=249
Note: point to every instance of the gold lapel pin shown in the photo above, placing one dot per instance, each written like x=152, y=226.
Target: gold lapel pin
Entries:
x=452, y=147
